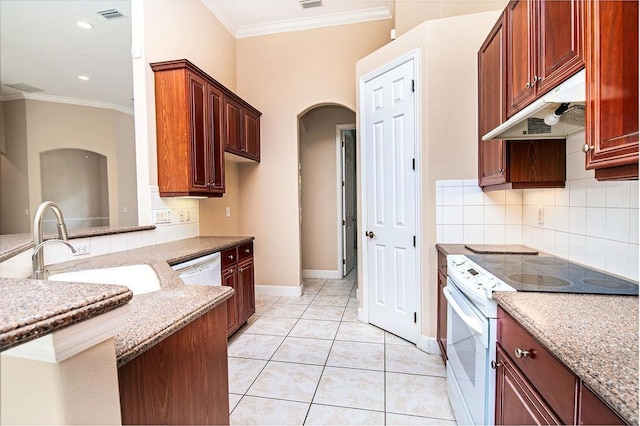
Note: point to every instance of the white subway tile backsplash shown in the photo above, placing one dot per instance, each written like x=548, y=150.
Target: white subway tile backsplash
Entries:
x=577, y=220
x=575, y=142
x=561, y=244
x=633, y=226
x=633, y=193
x=439, y=192
x=577, y=248
x=578, y=195
x=56, y=253
x=617, y=225
x=494, y=215
x=473, y=234
x=596, y=193
x=531, y=197
x=452, y=234
x=531, y=236
x=134, y=240
x=452, y=182
x=439, y=214
x=148, y=238
x=633, y=261
x=618, y=194
x=495, y=198
x=575, y=166
x=473, y=196
x=100, y=245
x=530, y=216
x=471, y=182
x=549, y=197
x=549, y=241
x=513, y=215
x=595, y=252
x=473, y=215
x=513, y=197
x=494, y=234
x=118, y=242
x=513, y=234
x=453, y=215
x=617, y=257
x=597, y=222
x=452, y=195
x=549, y=217
x=562, y=219
x=562, y=196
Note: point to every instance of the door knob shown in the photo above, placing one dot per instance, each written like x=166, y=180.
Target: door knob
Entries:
x=370, y=234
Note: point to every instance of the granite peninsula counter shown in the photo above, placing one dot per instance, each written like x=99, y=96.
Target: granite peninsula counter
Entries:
x=153, y=316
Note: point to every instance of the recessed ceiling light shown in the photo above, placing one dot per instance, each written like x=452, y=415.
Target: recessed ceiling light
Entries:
x=85, y=25
x=83, y=77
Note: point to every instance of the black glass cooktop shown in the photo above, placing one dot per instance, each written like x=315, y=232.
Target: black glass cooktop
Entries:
x=552, y=274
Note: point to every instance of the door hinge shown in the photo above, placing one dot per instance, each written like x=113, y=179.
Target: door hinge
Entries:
x=344, y=222
x=415, y=317
x=413, y=163
x=344, y=261
x=414, y=240
x=413, y=85
x=343, y=143
x=342, y=183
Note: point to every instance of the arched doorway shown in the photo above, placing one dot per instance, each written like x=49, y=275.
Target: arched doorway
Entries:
x=327, y=208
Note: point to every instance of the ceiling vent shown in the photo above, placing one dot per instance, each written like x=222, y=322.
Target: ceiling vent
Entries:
x=110, y=13
x=23, y=87
x=307, y=4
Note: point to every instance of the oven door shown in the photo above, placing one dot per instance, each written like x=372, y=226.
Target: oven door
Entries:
x=467, y=350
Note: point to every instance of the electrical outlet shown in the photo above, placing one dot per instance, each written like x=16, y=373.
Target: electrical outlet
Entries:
x=162, y=216
x=82, y=248
x=187, y=216
x=228, y=211
x=181, y=216
x=541, y=215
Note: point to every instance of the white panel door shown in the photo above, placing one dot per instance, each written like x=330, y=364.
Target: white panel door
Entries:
x=389, y=145
x=349, y=200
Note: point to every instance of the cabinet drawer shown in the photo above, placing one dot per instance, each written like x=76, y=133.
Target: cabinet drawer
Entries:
x=229, y=257
x=555, y=382
x=442, y=264
x=245, y=251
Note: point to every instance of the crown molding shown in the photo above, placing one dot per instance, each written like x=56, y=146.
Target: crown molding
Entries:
x=66, y=100
x=222, y=17
x=374, y=14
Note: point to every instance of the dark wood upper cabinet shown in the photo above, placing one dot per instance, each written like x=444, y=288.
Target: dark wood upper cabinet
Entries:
x=242, y=124
x=197, y=118
x=491, y=106
x=510, y=164
x=189, y=131
x=612, y=89
x=545, y=44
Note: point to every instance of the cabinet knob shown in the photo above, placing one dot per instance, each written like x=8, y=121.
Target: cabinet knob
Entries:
x=586, y=148
x=242, y=269
x=495, y=365
x=536, y=79
x=501, y=171
x=528, y=85
x=522, y=353
x=247, y=250
x=230, y=257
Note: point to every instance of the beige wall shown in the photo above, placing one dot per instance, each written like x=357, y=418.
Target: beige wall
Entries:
x=14, y=183
x=82, y=389
x=447, y=83
x=318, y=156
x=126, y=171
x=283, y=75
x=213, y=219
x=410, y=13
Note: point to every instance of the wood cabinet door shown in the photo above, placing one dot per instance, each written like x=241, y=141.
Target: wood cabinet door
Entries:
x=215, y=145
x=491, y=106
x=233, y=125
x=251, y=137
x=517, y=402
x=612, y=88
x=560, y=42
x=230, y=279
x=442, y=317
x=199, y=164
x=520, y=55
x=247, y=302
x=593, y=411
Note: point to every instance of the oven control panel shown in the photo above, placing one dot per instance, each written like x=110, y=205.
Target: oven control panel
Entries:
x=472, y=279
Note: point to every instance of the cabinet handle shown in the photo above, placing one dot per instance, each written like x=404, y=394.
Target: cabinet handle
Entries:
x=495, y=365
x=208, y=185
x=247, y=250
x=522, y=353
x=231, y=271
x=242, y=269
x=230, y=257
x=586, y=148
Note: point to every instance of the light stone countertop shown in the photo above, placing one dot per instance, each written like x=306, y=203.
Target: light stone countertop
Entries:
x=595, y=336
x=153, y=316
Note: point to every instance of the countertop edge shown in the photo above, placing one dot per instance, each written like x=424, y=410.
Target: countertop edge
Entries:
x=136, y=351
x=34, y=330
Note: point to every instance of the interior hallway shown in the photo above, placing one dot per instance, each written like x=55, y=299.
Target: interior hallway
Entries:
x=308, y=360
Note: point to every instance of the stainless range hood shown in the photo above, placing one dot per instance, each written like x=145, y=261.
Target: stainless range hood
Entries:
x=529, y=123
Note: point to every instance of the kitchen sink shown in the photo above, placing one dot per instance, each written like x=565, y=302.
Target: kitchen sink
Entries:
x=139, y=278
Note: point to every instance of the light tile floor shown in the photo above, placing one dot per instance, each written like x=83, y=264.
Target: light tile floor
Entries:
x=307, y=360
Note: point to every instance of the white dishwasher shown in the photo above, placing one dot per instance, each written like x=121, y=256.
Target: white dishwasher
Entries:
x=205, y=270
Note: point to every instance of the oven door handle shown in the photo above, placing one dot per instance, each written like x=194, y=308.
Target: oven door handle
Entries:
x=472, y=322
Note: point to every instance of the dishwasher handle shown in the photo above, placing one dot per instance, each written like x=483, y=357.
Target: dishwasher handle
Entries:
x=472, y=322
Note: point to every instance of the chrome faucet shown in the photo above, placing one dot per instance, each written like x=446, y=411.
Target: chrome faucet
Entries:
x=37, y=259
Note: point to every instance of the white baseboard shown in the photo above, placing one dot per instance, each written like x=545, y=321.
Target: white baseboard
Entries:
x=278, y=290
x=321, y=273
x=429, y=345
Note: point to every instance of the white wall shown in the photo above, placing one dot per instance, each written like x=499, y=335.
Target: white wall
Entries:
x=588, y=222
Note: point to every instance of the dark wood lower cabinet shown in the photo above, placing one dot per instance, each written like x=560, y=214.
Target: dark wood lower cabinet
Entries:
x=517, y=402
x=230, y=279
x=246, y=287
x=441, y=331
x=237, y=272
x=181, y=380
x=595, y=412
